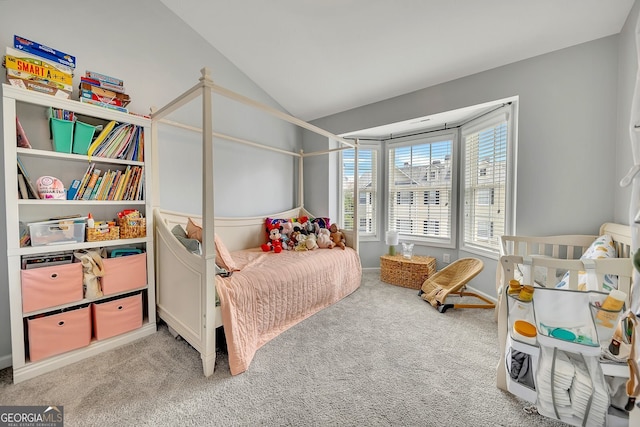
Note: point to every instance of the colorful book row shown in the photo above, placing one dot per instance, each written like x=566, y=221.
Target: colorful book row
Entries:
x=112, y=185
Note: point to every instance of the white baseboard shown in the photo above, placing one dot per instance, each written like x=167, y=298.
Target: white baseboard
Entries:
x=5, y=361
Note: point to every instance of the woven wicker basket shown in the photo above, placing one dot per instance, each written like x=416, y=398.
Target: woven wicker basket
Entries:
x=97, y=235
x=132, y=228
x=408, y=273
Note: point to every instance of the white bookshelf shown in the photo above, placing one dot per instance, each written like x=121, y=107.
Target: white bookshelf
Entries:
x=41, y=159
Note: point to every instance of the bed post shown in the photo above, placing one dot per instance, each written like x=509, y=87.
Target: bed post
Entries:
x=356, y=197
x=208, y=353
x=301, y=179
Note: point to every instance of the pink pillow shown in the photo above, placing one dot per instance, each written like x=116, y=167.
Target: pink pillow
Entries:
x=223, y=257
x=194, y=230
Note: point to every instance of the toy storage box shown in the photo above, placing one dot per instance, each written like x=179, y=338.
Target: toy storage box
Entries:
x=50, y=286
x=58, y=333
x=124, y=273
x=55, y=232
x=117, y=316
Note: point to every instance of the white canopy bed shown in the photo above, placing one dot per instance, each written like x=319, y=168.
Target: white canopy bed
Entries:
x=261, y=300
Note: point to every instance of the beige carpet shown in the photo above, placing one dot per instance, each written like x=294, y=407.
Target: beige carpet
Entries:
x=382, y=356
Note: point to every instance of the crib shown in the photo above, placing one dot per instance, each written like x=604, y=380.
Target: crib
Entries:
x=567, y=262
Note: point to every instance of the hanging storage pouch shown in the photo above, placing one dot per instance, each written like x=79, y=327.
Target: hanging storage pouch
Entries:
x=571, y=387
x=564, y=319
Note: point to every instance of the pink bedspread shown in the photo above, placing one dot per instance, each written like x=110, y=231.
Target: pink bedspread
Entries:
x=273, y=292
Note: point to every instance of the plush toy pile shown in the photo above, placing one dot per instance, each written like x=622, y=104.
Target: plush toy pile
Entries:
x=302, y=234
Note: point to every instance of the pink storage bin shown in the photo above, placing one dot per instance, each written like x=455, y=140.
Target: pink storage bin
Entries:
x=124, y=273
x=117, y=316
x=50, y=286
x=58, y=333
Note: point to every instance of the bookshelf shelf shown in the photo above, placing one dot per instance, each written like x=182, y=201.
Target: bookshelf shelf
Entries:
x=30, y=152
x=43, y=160
x=53, y=202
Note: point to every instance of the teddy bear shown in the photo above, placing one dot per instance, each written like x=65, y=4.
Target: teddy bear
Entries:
x=337, y=236
x=324, y=239
x=275, y=242
x=311, y=242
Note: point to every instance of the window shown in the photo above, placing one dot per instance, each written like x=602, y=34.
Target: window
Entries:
x=485, y=148
x=485, y=196
x=367, y=190
x=421, y=192
x=432, y=197
x=404, y=198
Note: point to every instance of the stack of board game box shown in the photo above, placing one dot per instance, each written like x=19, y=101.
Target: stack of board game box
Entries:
x=37, y=67
x=103, y=90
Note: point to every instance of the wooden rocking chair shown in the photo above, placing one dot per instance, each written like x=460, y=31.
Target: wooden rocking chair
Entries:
x=452, y=280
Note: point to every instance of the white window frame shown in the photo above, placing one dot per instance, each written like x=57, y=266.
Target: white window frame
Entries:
x=431, y=137
x=377, y=202
x=508, y=113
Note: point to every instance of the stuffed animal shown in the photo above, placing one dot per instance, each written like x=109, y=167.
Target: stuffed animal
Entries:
x=311, y=242
x=285, y=231
x=324, y=239
x=275, y=242
x=302, y=243
x=337, y=236
x=93, y=268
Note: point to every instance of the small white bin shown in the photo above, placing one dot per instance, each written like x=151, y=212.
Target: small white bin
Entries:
x=56, y=232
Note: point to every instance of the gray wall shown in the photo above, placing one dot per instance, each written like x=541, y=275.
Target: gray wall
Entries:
x=159, y=57
x=627, y=73
x=567, y=170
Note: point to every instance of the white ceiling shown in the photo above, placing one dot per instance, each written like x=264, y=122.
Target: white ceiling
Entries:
x=318, y=58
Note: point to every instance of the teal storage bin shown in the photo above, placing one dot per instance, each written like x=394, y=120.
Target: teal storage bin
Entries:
x=82, y=137
x=62, y=131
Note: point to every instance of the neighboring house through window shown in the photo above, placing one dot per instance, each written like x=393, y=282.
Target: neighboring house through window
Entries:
x=423, y=183
x=420, y=187
x=367, y=190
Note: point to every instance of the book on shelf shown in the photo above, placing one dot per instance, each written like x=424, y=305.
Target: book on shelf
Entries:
x=93, y=180
x=108, y=182
x=123, y=183
x=101, y=136
x=84, y=181
x=38, y=87
x=73, y=189
x=23, y=193
x=43, y=51
x=104, y=105
x=114, y=185
x=39, y=70
x=60, y=114
x=23, y=75
x=104, y=78
x=33, y=194
x=39, y=60
x=95, y=188
x=21, y=137
x=90, y=84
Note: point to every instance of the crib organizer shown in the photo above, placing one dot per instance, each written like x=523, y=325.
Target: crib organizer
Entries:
x=557, y=335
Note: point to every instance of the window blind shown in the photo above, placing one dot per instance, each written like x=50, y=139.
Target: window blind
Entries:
x=420, y=188
x=485, y=181
x=367, y=190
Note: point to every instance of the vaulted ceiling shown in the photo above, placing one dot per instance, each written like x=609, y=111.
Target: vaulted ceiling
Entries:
x=318, y=58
